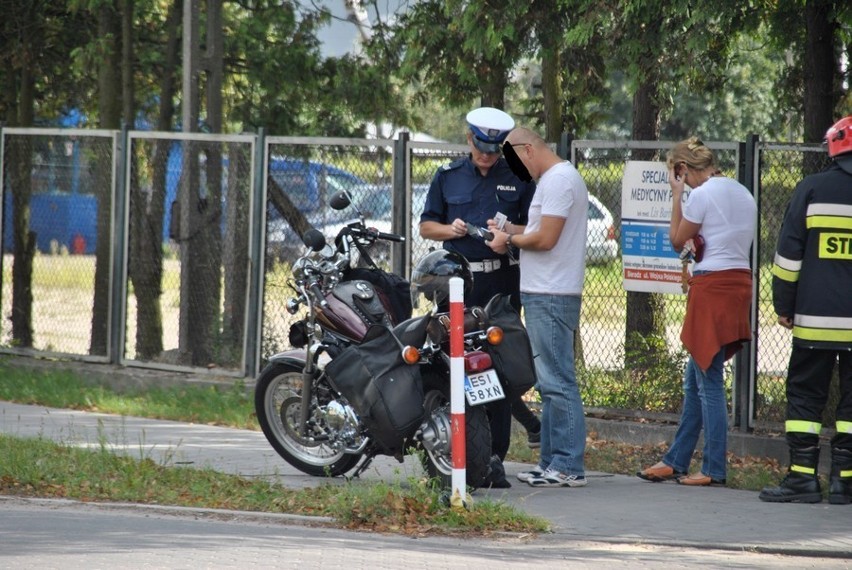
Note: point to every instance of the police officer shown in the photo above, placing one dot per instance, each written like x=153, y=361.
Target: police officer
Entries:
x=811, y=284
x=473, y=190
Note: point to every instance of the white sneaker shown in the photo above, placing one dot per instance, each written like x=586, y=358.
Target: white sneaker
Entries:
x=525, y=476
x=554, y=478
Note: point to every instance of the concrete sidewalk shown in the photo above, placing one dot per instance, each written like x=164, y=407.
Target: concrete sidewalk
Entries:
x=612, y=508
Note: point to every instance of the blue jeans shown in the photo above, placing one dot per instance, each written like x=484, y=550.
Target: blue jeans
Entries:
x=551, y=321
x=704, y=405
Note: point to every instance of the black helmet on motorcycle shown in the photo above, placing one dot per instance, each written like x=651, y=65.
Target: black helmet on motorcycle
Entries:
x=431, y=277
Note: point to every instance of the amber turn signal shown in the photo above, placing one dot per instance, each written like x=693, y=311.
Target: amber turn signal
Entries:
x=410, y=355
x=494, y=335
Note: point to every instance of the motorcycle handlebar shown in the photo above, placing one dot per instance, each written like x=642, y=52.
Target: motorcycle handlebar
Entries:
x=374, y=233
x=388, y=237
x=317, y=293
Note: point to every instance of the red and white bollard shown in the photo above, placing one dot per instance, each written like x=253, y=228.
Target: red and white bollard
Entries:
x=460, y=497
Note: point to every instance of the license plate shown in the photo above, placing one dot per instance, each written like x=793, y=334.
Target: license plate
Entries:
x=482, y=387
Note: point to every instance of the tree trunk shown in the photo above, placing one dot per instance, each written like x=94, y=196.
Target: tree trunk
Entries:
x=109, y=108
x=645, y=315
x=189, y=181
x=109, y=87
x=146, y=263
x=820, y=70
x=493, y=79
x=128, y=90
x=9, y=95
x=235, y=251
x=147, y=266
x=201, y=252
x=148, y=212
x=551, y=87
x=25, y=240
x=281, y=202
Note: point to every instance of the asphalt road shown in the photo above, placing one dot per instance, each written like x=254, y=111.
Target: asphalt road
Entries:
x=615, y=519
x=60, y=534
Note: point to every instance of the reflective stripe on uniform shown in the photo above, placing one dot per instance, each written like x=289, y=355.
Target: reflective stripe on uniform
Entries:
x=792, y=265
x=814, y=321
x=824, y=209
x=802, y=426
x=830, y=329
x=847, y=473
x=829, y=223
x=829, y=216
x=784, y=275
x=826, y=335
x=786, y=269
x=843, y=427
x=803, y=469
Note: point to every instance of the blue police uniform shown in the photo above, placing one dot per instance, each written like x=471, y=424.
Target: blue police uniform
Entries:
x=459, y=190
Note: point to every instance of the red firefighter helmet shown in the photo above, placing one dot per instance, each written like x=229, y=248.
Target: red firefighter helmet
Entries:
x=839, y=137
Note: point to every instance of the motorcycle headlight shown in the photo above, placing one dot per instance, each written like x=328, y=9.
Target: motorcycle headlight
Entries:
x=298, y=334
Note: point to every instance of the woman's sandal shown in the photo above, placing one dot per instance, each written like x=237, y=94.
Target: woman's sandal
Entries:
x=658, y=473
x=700, y=480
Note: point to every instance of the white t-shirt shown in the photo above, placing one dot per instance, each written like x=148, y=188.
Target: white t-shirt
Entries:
x=728, y=217
x=560, y=193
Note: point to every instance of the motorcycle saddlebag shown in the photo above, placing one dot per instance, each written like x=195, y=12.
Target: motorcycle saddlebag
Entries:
x=386, y=393
x=512, y=358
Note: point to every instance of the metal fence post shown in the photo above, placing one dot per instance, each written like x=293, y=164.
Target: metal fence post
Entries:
x=257, y=224
x=401, y=213
x=745, y=362
x=120, y=213
x=563, y=149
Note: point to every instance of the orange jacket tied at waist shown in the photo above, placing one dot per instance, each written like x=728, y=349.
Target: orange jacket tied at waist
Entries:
x=717, y=314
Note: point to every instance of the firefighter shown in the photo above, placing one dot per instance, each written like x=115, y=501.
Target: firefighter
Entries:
x=811, y=285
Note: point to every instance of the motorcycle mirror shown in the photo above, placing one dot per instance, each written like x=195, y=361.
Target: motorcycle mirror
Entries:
x=340, y=200
x=314, y=239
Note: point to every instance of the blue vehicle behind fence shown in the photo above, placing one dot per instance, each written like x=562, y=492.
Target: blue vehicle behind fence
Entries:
x=63, y=213
x=309, y=185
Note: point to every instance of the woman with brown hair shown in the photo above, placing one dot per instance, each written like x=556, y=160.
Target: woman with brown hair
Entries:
x=721, y=214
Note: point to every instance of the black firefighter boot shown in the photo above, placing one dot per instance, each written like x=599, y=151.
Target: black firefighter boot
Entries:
x=840, y=484
x=797, y=487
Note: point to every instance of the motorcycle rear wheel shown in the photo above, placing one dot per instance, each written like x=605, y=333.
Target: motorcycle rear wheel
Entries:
x=438, y=464
x=277, y=402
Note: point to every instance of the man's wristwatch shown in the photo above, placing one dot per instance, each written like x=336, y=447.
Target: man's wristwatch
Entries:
x=508, y=240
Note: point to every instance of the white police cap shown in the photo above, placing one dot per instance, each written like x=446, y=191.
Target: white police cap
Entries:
x=489, y=127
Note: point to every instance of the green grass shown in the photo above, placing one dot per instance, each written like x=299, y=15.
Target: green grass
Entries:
x=36, y=467
x=233, y=407
x=40, y=468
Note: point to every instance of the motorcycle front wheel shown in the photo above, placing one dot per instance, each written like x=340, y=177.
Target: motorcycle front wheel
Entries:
x=278, y=403
x=438, y=461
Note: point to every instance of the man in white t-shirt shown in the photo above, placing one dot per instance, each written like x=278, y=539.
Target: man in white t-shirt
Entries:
x=552, y=257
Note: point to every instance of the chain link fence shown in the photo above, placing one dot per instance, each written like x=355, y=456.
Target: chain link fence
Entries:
x=57, y=204
x=301, y=176
x=188, y=267
x=188, y=249
x=781, y=167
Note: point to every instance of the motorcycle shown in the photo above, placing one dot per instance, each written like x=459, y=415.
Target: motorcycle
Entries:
x=364, y=378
